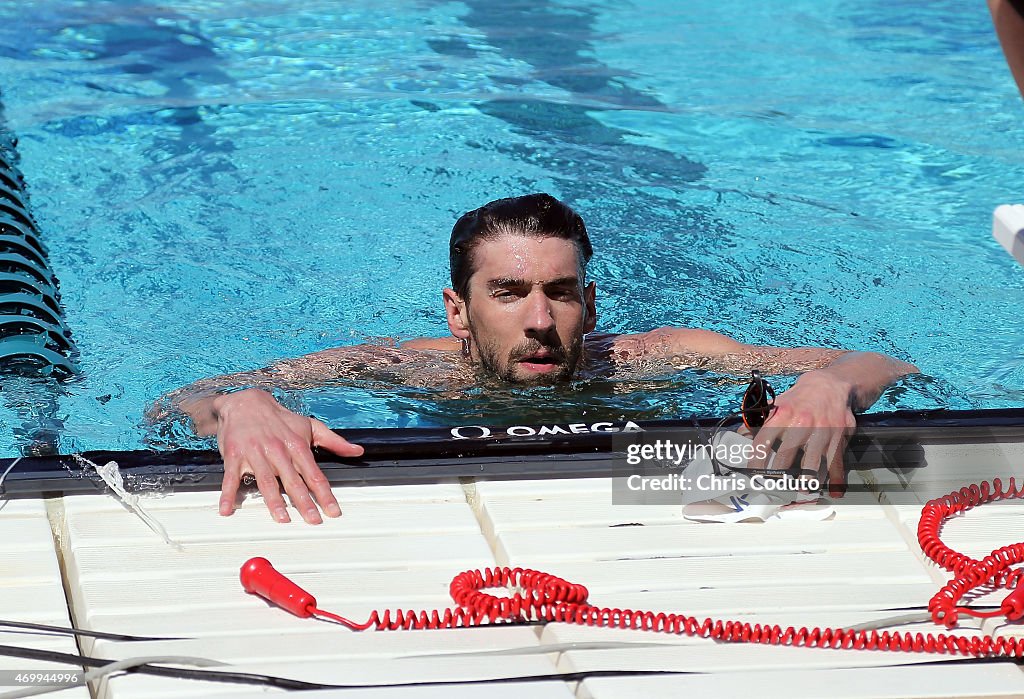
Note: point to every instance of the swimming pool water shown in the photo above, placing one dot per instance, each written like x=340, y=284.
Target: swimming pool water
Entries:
x=224, y=184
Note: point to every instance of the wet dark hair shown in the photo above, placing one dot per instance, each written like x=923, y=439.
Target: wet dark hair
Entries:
x=534, y=215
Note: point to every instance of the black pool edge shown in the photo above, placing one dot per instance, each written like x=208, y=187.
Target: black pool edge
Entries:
x=891, y=440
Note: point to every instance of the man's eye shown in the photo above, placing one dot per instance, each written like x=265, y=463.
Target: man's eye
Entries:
x=505, y=296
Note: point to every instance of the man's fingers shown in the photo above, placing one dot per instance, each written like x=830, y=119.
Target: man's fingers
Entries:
x=785, y=455
x=762, y=447
x=814, y=450
x=229, y=489
x=317, y=483
x=284, y=458
x=324, y=436
x=233, y=465
x=793, y=439
x=306, y=481
x=266, y=480
x=298, y=493
x=275, y=443
x=836, y=467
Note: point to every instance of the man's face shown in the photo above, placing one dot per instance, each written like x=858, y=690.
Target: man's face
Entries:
x=528, y=309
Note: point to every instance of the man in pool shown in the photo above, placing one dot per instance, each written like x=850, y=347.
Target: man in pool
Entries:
x=520, y=309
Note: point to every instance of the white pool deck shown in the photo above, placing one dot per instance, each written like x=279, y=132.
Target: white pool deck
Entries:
x=86, y=559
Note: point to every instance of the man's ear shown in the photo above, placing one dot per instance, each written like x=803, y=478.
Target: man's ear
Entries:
x=590, y=307
x=455, y=309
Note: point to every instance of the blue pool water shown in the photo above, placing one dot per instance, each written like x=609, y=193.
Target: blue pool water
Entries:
x=224, y=184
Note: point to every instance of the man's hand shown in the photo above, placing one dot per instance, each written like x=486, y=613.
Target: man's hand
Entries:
x=257, y=435
x=814, y=415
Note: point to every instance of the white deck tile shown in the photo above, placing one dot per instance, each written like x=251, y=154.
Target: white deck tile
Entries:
x=60, y=643
x=856, y=505
x=933, y=682
x=341, y=671
x=999, y=626
x=37, y=566
x=31, y=589
x=255, y=620
x=320, y=641
x=544, y=488
x=25, y=534
x=505, y=690
x=903, y=505
x=191, y=526
x=157, y=560
x=35, y=603
x=22, y=507
x=741, y=572
x=466, y=645
x=81, y=692
x=30, y=584
x=912, y=512
x=587, y=511
x=444, y=491
x=978, y=529
x=692, y=539
x=736, y=657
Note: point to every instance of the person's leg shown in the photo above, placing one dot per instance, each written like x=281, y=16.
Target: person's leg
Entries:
x=1008, y=16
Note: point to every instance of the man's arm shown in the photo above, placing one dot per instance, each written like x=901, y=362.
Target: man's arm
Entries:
x=862, y=375
x=339, y=365
x=816, y=414
x=257, y=435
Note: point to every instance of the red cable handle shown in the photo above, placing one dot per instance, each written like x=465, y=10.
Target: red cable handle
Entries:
x=260, y=578
x=542, y=597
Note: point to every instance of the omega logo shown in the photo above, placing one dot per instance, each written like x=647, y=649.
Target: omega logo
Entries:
x=481, y=432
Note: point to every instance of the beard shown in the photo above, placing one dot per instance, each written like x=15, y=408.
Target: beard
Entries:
x=507, y=368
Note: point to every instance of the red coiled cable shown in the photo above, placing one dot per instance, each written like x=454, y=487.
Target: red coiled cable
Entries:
x=993, y=570
x=538, y=596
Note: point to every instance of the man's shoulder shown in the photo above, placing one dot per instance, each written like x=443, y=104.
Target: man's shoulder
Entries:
x=671, y=341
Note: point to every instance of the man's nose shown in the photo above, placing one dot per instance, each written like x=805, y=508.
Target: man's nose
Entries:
x=539, y=318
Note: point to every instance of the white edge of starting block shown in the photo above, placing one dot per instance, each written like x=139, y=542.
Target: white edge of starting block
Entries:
x=1008, y=229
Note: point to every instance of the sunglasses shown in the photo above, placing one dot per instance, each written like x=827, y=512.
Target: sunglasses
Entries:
x=758, y=402
x=757, y=406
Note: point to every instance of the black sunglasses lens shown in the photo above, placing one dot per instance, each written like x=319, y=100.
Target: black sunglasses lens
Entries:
x=756, y=406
